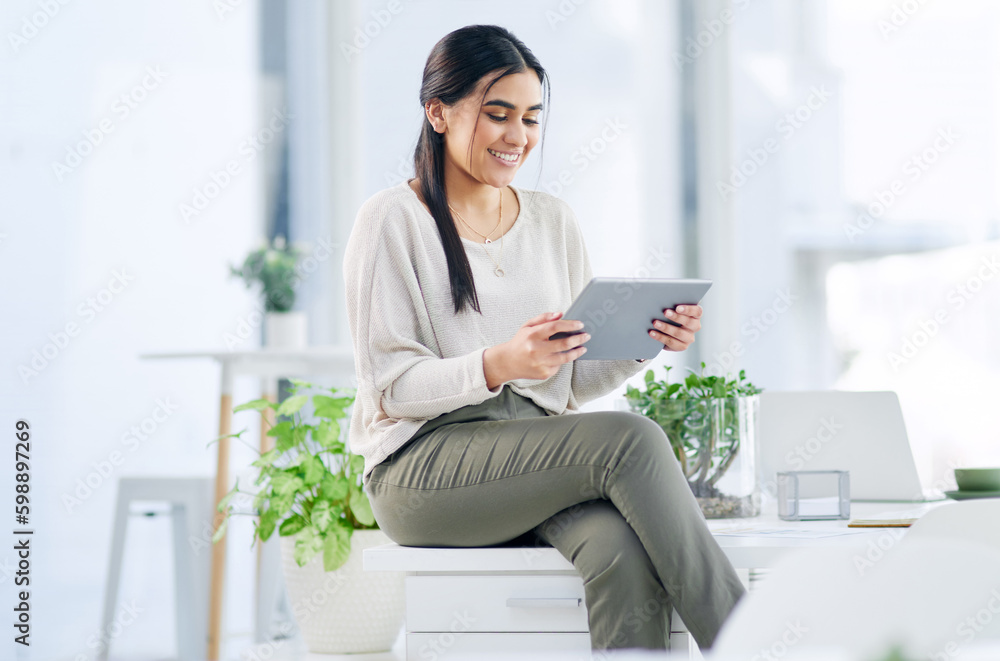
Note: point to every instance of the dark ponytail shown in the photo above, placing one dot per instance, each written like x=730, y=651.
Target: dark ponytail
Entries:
x=454, y=67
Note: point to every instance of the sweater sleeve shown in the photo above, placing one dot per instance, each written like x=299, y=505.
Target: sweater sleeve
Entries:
x=395, y=355
x=591, y=378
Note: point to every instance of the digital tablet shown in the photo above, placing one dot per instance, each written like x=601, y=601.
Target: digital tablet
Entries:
x=619, y=312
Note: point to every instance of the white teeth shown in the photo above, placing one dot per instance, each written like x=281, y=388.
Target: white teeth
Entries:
x=506, y=157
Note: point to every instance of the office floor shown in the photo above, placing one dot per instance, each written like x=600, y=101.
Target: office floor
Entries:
x=295, y=650
x=287, y=650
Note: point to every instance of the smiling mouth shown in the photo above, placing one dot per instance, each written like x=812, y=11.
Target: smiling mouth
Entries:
x=509, y=158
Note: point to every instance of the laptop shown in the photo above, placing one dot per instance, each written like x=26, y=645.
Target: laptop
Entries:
x=860, y=432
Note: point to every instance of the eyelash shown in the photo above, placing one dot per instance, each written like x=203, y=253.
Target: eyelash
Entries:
x=503, y=119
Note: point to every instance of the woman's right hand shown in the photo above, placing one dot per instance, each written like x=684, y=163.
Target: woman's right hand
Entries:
x=530, y=354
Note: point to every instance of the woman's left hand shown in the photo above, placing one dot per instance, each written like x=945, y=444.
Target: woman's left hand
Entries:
x=678, y=338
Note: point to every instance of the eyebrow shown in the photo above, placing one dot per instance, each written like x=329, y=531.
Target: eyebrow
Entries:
x=510, y=106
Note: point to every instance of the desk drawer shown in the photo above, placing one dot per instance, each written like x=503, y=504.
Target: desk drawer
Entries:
x=459, y=604
x=442, y=646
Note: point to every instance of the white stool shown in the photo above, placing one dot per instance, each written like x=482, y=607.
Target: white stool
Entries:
x=191, y=502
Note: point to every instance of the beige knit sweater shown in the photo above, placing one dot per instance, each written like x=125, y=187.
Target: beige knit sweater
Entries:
x=414, y=357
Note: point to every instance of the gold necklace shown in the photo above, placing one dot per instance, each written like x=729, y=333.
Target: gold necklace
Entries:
x=496, y=262
x=485, y=236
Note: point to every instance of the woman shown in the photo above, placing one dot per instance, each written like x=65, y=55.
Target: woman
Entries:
x=466, y=414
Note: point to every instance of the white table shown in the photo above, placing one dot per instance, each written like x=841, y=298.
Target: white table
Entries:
x=761, y=551
x=269, y=365
x=482, y=580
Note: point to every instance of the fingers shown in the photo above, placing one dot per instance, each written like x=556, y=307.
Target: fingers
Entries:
x=566, y=325
x=573, y=340
x=673, y=338
x=670, y=343
x=688, y=316
x=690, y=310
x=678, y=338
x=542, y=318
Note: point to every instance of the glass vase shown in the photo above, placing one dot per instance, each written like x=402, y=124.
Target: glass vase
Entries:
x=715, y=441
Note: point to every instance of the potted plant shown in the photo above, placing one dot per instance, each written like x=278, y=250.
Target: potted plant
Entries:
x=310, y=493
x=711, y=422
x=273, y=266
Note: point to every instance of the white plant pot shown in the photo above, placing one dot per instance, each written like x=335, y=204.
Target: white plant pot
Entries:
x=348, y=610
x=286, y=330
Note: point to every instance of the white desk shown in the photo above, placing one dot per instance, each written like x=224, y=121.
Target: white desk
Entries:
x=330, y=361
x=439, y=580
x=761, y=550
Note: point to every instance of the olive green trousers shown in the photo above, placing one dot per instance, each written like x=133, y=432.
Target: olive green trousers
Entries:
x=602, y=487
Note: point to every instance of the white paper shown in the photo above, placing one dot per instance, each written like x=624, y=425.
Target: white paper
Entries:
x=786, y=533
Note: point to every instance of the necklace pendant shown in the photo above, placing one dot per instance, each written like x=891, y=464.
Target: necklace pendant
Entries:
x=499, y=272
x=489, y=241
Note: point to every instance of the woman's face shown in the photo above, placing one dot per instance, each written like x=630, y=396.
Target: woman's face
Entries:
x=506, y=126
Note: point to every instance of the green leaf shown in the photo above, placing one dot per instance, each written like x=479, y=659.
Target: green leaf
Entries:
x=322, y=515
x=281, y=503
x=285, y=435
x=266, y=459
x=294, y=438
x=258, y=500
x=268, y=520
x=299, y=383
x=219, y=438
x=357, y=463
x=336, y=547
x=331, y=407
x=307, y=545
x=313, y=470
x=286, y=482
x=224, y=503
x=348, y=391
x=221, y=531
x=648, y=376
x=265, y=474
x=292, y=525
x=292, y=405
x=361, y=508
x=281, y=430
x=333, y=487
x=255, y=405
x=327, y=434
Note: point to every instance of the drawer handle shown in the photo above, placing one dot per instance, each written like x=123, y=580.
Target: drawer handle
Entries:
x=515, y=602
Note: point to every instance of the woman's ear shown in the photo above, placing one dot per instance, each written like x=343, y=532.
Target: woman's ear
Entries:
x=434, y=110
